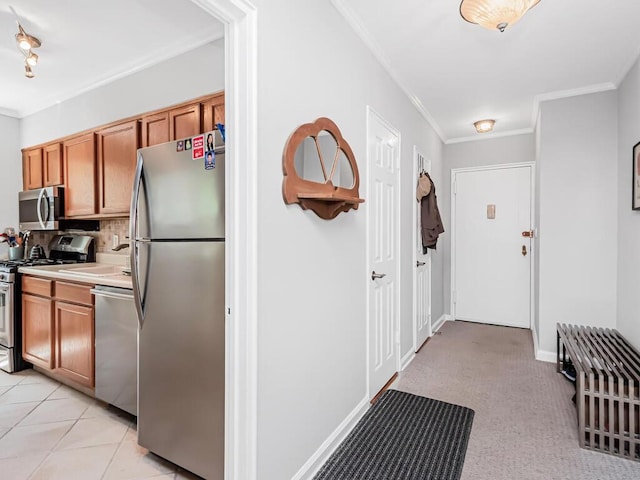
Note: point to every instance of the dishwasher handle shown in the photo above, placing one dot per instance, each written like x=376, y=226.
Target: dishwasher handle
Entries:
x=110, y=294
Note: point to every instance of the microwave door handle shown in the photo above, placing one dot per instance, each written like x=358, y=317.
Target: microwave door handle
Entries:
x=39, y=208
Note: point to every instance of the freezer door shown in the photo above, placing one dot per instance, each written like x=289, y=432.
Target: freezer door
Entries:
x=181, y=369
x=184, y=198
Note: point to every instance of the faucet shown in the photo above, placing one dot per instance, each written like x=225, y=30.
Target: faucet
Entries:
x=120, y=246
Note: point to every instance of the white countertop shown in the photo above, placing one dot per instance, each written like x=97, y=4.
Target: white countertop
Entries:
x=65, y=272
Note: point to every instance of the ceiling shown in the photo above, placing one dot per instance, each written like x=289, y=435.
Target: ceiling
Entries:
x=89, y=43
x=455, y=72
x=459, y=72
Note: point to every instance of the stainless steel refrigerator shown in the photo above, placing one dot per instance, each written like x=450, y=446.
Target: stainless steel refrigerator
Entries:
x=178, y=273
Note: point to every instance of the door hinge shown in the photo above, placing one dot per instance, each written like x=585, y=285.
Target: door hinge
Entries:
x=455, y=187
x=455, y=296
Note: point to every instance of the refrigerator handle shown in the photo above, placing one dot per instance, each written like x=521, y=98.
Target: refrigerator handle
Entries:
x=133, y=235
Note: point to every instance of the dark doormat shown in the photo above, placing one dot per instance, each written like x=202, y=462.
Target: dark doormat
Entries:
x=403, y=437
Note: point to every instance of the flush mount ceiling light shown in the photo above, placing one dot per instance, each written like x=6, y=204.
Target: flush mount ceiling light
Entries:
x=495, y=14
x=25, y=44
x=484, y=126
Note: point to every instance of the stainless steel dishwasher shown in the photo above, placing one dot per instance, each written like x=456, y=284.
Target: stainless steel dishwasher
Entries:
x=116, y=330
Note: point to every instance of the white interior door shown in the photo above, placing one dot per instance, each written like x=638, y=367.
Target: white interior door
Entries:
x=492, y=259
x=383, y=161
x=422, y=268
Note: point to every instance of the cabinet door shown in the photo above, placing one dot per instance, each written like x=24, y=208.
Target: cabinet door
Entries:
x=185, y=121
x=37, y=330
x=155, y=129
x=117, y=147
x=213, y=112
x=52, y=165
x=80, y=176
x=74, y=342
x=32, y=169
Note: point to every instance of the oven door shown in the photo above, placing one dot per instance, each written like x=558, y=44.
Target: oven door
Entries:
x=6, y=327
x=6, y=315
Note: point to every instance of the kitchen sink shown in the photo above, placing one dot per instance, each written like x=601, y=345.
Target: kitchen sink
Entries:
x=96, y=270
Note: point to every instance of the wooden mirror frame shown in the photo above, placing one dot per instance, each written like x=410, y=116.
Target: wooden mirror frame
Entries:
x=325, y=199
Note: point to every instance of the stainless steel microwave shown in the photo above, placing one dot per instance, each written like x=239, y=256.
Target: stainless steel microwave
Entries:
x=41, y=209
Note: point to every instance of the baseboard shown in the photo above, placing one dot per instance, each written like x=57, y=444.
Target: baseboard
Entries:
x=438, y=324
x=311, y=466
x=407, y=359
x=541, y=355
x=546, y=356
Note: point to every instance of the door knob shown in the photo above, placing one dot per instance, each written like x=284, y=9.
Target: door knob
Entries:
x=375, y=275
x=524, y=250
x=419, y=263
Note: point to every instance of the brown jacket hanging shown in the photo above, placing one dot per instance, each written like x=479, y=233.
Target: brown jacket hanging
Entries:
x=430, y=222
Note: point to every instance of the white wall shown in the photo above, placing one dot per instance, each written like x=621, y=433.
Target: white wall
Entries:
x=578, y=213
x=628, y=318
x=480, y=153
x=313, y=272
x=11, y=176
x=190, y=75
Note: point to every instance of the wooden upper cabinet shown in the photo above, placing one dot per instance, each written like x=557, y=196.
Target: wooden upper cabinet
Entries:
x=52, y=165
x=155, y=129
x=79, y=155
x=213, y=112
x=117, y=147
x=32, y=169
x=185, y=121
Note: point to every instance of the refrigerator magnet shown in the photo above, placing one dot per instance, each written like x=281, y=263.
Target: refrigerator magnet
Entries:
x=187, y=144
x=198, y=148
x=179, y=145
x=210, y=160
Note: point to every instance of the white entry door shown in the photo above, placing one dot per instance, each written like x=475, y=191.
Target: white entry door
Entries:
x=422, y=270
x=383, y=161
x=491, y=210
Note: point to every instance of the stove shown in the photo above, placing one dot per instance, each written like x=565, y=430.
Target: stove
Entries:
x=63, y=249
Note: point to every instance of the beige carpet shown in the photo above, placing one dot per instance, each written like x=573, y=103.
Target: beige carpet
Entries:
x=525, y=422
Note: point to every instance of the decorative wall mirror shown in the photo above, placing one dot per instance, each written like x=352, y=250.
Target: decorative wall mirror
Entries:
x=320, y=170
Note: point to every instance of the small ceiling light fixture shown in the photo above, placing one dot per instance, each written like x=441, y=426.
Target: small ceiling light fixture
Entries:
x=25, y=41
x=495, y=14
x=25, y=44
x=484, y=126
x=32, y=59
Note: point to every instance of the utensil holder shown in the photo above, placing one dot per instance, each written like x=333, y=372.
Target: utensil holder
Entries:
x=16, y=253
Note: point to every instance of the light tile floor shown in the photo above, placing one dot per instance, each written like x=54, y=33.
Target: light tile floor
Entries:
x=49, y=431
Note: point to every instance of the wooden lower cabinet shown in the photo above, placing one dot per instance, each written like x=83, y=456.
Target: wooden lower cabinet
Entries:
x=74, y=342
x=58, y=329
x=37, y=330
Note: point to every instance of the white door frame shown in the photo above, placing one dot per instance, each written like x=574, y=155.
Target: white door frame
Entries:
x=371, y=113
x=414, y=247
x=241, y=383
x=532, y=252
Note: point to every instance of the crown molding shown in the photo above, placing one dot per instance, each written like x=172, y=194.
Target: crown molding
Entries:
x=574, y=92
x=142, y=64
x=7, y=112
x=489, y=136
x=353, y=21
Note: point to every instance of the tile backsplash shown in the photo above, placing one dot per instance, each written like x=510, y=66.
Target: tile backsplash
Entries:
x=103, y=238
